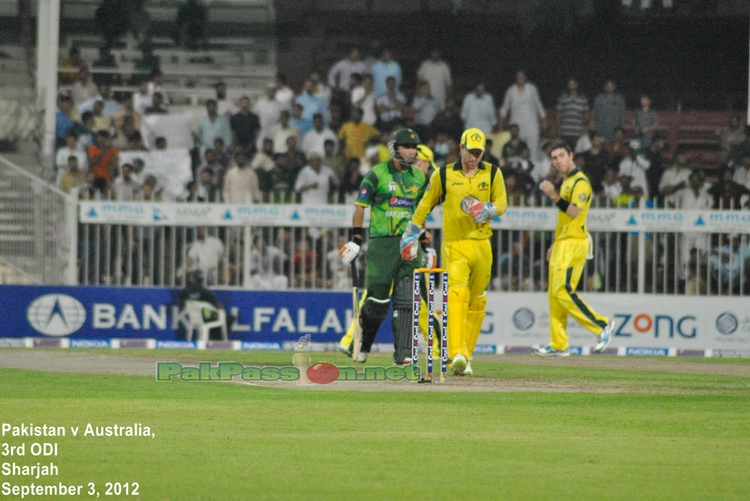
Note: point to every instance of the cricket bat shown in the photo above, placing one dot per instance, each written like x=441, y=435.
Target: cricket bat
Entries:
x=357, y=337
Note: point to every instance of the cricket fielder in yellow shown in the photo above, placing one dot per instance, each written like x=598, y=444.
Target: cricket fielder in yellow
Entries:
x=473, y=194
x=567, y=257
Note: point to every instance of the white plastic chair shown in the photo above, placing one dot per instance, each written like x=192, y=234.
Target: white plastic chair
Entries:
x=195, y=316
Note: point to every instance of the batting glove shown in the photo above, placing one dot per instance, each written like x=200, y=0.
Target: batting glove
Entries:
x=410, y=242
x=430, y=258
x=480, y=212
x=349, y=252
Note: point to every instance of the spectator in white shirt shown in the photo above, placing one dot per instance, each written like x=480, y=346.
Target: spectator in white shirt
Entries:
x=523, y=106
x=207, y=255
x=125, y=187
x=363, y=96
x=478, y=110
x=314, y=140
x=694, y=196
x=284, y=95
x=674, y=179
x=338, y=75
x=282, y=131
x=635, y=166
x=315, y=182
x=241, y=182
x=70, y=149
x=437, y=73
x=224, y=105
x=267, y=266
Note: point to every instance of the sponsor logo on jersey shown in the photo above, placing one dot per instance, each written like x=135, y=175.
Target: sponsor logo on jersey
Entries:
x=401, y=202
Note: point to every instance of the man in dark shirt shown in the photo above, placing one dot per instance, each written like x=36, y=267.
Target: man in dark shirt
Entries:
x=245, y=126
x=194, y=290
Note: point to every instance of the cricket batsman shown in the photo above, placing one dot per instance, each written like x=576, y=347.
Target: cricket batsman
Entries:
x=392, y=191
x=473, y=194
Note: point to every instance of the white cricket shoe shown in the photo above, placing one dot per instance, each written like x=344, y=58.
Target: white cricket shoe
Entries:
x=468, y=371
x=362, y=357
x=604, y=337
x=548, y=351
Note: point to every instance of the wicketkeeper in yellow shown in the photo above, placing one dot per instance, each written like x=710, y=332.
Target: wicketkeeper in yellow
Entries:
x=567, y=257
x=473, y=194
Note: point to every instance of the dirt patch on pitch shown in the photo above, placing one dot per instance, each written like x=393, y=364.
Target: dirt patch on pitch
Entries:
x=110, y=363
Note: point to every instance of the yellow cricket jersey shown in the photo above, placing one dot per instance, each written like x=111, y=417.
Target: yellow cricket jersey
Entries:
x=458, y=225
x=576, y=189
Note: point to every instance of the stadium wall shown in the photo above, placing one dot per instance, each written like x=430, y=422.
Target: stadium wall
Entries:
x=115, y=317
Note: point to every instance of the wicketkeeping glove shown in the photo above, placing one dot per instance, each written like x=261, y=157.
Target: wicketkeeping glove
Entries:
x=410, y=242
x=480, y=212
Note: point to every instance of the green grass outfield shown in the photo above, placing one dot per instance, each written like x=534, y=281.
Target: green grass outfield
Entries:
x=650, y=434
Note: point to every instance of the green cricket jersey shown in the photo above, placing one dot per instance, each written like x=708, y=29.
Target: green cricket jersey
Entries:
x=392, y=196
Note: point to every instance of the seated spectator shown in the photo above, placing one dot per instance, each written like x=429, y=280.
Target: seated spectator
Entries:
x=135, y=142
x=363, y=96
x=245, y=126
x=267, y=266
x=728, y=261
x=156, y=86
x=297, y=120
x=101, y=121
x=83, y=89
x=85, y=131
x=742, y=171
x=315, y=182
x=206, y=189
x=125, y=188
x=210, y=127
x=635, y=166
x=157, y=105
x=584, y=142
x=611, y=187
x=71, y=66
x=206, y=254
x=727, y=194
x=630, y=195
x=331, y=158
x=320, y=89
x=224, y=105
x=111, y=106
x=390, y=105
x=354, y=134
x=487, y=156
x=71, y=148
x=102, y=158
x=127, y=122
x=65, y=118
x=512, y=149
x=73, y=176
x=282, y=131
x=674, y=179
x=450, y=122
x=142, y=99
x=241, y=184
x=221, y=154
x=192, y=18
x=307, y=266
x=315, y=139
x=383, y=69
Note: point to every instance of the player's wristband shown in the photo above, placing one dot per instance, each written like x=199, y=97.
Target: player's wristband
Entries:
x=358, y=234
x=563, y=205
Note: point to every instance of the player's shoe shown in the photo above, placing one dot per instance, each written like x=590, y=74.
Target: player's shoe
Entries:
x=346, y=349
x=362, y=358
x=407, y=362
x=548, y=351
x=468, y=371
x=459, y=365
x=604, y=337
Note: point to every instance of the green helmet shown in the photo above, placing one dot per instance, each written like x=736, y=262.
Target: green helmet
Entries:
x=403, y=137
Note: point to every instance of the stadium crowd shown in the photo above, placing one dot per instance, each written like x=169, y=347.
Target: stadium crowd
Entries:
x=313, y=145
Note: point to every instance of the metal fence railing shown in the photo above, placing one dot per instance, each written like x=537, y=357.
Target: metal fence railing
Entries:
x=286, y=246
x=37, y=227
